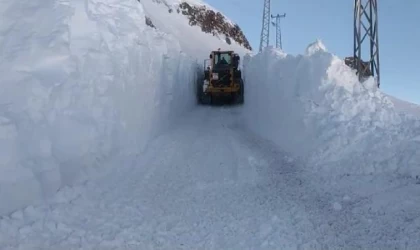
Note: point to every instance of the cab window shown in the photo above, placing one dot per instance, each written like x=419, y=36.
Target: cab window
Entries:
x=222, y=58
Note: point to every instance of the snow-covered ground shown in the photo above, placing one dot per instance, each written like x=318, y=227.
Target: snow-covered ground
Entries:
x=209, y=184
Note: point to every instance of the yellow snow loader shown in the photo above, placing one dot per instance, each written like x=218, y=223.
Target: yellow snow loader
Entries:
x=222, y=79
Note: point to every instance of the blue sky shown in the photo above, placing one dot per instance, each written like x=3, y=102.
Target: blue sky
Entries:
x=332, y=22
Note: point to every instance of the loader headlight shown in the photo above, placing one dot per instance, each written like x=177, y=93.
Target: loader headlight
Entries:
x=215, y=76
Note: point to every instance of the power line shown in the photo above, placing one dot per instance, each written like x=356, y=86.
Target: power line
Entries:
x=265, y=30
x=278, y=29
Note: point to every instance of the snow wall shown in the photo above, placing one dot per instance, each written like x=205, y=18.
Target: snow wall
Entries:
x=314, y=107
x=81, y=80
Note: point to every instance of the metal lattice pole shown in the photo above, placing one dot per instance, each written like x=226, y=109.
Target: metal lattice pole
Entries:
x=366, y=26
x=278, y=29
x=265, y=31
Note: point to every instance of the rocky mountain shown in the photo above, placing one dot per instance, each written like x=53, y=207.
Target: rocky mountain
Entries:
x=207, y=18
x=213, y=22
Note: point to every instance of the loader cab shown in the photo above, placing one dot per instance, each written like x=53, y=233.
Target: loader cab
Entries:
x=224, y=59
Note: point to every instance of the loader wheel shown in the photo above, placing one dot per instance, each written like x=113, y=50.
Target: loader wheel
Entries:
x=199, y=93
x=206, y=99
x=239, y=97
x=201, y=97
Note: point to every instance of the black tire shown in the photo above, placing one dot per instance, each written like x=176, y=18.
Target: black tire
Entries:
x=199, y=91
x=202, y=98
x=206, y=99
x=240, y=96
x=242, y=92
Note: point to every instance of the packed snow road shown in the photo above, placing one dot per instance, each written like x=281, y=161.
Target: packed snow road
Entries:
x=204, y=184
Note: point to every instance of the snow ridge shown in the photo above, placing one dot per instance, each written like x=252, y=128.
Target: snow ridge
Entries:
x=314, y=106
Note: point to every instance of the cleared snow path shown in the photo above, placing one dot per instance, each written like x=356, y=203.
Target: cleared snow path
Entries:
x=206, y=184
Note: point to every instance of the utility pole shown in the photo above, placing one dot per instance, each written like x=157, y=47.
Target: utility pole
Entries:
x=366, y=26
x=278, y=29
x=265, y=30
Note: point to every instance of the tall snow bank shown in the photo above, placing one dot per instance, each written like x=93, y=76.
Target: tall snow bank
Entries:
x=80, y=80
x=314, y=106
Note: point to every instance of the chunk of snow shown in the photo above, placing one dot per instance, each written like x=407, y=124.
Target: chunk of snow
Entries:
x=346, y=198
x=18, y=215
x=315, y=47
x=337, y=206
